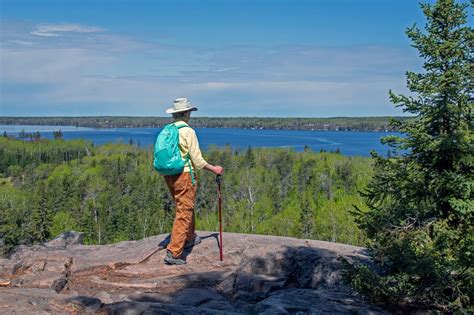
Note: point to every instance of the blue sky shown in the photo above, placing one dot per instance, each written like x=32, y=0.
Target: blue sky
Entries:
x=282, y=58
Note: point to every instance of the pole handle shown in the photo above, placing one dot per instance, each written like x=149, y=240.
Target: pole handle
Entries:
x=218, y=179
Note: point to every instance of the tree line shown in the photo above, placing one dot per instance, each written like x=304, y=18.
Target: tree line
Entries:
x=335, y=123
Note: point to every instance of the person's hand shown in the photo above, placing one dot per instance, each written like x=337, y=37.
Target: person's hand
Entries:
x=218, y=170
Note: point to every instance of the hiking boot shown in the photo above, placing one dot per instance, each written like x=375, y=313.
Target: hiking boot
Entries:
x=195, y=241
x=170, y=260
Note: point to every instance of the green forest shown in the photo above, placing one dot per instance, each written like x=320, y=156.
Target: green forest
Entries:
x=112, y=193
x=413, y=210
x=336, y=123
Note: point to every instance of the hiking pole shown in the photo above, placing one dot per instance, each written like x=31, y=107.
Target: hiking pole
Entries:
x=218, y=181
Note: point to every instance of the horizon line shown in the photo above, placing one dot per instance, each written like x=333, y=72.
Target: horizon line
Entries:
x=263, y=117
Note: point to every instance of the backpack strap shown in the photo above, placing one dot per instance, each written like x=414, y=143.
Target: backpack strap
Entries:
x=190, y=169
x=182, y=126
x=187, y=161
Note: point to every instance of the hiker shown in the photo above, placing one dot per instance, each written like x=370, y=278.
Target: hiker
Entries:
x=183, y=186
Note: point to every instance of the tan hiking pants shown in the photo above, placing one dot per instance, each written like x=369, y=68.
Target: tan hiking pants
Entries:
x=184, y=194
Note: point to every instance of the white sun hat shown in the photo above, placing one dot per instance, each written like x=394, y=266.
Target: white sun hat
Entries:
x=181, y=105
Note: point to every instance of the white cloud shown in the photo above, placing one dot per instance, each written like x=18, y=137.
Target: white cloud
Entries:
x=54, y=30
x=89, y=65
x=21, y=42
x=50, y=66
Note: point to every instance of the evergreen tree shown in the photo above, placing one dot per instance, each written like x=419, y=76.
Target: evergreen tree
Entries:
x=421, y=202
x=41, y=219
x=58, y=134
x=36, y=136
x=249, y=158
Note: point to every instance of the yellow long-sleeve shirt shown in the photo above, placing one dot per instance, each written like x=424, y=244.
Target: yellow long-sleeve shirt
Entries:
x=188, y=143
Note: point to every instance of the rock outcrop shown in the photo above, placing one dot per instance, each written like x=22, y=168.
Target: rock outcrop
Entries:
x=259, y=274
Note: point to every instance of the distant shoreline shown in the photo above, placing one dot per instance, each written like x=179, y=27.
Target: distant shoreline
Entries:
x=377, y=124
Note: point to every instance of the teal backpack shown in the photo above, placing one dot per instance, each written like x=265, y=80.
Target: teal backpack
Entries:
x=167, y=157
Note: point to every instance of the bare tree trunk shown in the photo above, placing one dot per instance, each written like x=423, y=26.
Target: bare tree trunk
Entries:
x=334, y=228
x=251, y=200
x=96, y=218
x=161, y=224
x=144, y=224
x=99, y=234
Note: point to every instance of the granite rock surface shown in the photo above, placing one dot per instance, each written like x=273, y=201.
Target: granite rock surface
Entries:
x=259, y=275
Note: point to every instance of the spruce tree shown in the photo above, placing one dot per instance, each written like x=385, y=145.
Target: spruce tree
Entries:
x=421, y=199
x=58, y=134
x=249, y=157
x=41, y=216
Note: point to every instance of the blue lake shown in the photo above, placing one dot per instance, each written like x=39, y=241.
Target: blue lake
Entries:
x=350, y=143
